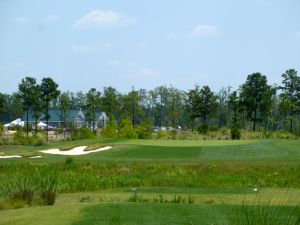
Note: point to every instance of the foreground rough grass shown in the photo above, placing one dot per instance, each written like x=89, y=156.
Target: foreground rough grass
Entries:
x=79, y=177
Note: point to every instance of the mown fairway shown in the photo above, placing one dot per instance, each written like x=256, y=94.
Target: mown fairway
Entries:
x=264, y=151
x=213, y=181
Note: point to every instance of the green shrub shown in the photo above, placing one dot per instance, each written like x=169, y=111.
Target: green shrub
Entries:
x=85, y=199
x=161, y=134
x=203, y=129
x=144, y=131
x=4, y=141
x=25, y=127
x=136, y=198
x=126, y=129
x=82, y=133
x=20, y=190
x=282, y=135
x=19, y=138
x=235, y=133
x=48, y=185
x=35, y=140
x=173, y=134
x=69, y=162
x=3, y=205
x=257, y=214
x=111, y=128
x=1, y=129
x=213, y=128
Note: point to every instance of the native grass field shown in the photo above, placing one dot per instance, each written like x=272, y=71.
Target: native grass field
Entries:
x=153, y=182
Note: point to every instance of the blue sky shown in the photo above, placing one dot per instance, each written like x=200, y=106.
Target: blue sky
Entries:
x=85, y=44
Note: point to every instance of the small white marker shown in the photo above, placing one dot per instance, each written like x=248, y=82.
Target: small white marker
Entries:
x=255, y=189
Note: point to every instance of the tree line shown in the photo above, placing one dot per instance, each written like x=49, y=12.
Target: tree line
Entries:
x=255, y=105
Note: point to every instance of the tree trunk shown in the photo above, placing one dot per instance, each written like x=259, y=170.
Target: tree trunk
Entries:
x=266, y=123
x=93, y=124
x=133, y=115
x=65, y=129
x=36, y=129
x=47, y=120
x=291, y=120
x=244, y=119
x=27, y=122
x=254, y=120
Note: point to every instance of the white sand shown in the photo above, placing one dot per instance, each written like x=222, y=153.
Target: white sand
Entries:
x=75, y=151
x=35, y=157
x=10, y=156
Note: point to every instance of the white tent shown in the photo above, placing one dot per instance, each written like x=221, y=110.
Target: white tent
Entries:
x=17, y=122
x=43, y=125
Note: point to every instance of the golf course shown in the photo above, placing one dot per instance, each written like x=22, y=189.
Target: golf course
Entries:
x=155, y=182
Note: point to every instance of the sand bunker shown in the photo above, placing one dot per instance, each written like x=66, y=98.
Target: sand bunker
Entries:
x=75, y=151
x=10, y=156
x=35, y=157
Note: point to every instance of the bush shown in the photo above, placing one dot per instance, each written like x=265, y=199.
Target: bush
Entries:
x=144, y=131
x=19, y=138
x=3, y=205
x=48, y=188
x=173, y=134
x=25, y=127
x=35, y=140
x=111, y=128
x=1, y=129
x=69, y=162
x=257, y=214
x=4, y=141
x=203, y=129
x=20, y=190
x=281, y=135
x=126, y=129
x=161, y=134
x=82, y=133
x=235, y=133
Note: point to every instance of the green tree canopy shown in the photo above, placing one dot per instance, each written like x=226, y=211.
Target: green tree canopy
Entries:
x=203, y=103
x=27, y=93
x=291, y=93
x=255, y=92
x=49, y=92
x=93, y=98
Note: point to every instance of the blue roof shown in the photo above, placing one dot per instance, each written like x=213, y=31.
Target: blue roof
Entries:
x=56, y=115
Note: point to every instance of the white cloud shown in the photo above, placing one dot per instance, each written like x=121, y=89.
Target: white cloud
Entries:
x=204, y=31
x=20, y=20
x=102, y=18
x=90, y=49
x=297, y=35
